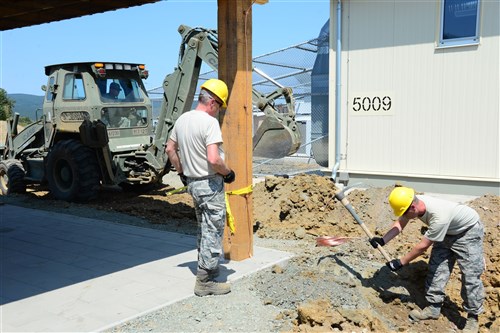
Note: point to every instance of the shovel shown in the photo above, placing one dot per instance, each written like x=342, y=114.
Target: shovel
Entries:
x=340, y=195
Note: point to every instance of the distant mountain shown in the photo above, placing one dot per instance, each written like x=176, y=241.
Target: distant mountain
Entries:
x=26, y=105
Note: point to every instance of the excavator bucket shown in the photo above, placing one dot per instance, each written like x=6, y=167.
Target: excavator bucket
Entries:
x=273, y=140
x=278, y=135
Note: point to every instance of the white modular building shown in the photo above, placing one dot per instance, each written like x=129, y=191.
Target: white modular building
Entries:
x=413, y=94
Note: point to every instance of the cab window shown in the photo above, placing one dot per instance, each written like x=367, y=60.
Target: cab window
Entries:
x=119, y=90
x=49, y=97
x=73, y=87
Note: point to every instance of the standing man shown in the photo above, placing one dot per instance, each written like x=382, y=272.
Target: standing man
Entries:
x=195, y=150
x=456, y=235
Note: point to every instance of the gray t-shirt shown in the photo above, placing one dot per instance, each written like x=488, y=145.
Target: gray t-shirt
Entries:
x=446, y=217
x=193, y=132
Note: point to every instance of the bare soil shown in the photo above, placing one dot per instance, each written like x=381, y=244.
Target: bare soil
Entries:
x=342, y=288
x=3, y=128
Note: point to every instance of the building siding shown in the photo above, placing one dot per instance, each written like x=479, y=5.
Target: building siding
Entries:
x=444, y=120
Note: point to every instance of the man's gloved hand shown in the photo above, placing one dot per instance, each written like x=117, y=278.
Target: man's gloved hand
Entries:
x=230, y=177
x=183, y=179
x=375, y=241
x=394, y=264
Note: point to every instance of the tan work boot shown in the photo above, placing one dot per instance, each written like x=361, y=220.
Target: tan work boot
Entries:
x=472, y=325
x=206, y=285
x=429, y=312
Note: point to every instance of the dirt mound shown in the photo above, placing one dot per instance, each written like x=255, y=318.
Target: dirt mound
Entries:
x=306, y=205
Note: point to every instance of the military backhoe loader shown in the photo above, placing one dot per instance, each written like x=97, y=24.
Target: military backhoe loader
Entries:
x=97, y=127
x=278, y=135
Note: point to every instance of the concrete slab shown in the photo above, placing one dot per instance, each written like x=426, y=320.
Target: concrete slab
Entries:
x=62, y=273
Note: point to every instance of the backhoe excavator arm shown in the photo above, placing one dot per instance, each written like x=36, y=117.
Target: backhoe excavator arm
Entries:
x=277, y=137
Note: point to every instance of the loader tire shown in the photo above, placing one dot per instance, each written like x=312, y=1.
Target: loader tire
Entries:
x=72, y=171
x=12, y=177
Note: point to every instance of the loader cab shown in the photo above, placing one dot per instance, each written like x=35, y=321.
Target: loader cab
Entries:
x=111, y=92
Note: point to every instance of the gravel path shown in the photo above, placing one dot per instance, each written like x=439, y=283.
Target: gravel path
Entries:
x=242, y=310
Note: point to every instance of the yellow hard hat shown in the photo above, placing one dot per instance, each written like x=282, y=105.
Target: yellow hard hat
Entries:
x=218, y=88
x=400, y=199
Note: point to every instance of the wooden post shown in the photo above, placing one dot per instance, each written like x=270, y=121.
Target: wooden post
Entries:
x=235, y=68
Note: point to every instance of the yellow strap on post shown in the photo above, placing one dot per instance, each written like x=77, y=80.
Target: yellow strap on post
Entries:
x=230, y=217
x=177, y=190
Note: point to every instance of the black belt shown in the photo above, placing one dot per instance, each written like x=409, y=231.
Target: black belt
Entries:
x=203, y=178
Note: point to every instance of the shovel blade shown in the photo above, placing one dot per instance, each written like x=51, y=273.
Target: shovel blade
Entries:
x=332, y=240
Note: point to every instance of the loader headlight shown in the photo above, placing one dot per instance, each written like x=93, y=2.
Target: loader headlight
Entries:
x=143, y=72
x=99, y=69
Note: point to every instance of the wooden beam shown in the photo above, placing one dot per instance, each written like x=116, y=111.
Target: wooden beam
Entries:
x=235, y=68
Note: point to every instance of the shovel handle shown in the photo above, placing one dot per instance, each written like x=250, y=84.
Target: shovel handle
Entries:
x=341, y=197
x=379, y=247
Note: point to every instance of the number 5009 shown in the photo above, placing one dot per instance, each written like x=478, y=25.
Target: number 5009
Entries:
x=376, y=103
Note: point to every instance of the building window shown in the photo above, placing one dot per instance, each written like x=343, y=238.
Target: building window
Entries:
x=459, y=22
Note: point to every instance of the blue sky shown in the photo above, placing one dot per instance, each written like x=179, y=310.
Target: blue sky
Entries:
x=145, y=34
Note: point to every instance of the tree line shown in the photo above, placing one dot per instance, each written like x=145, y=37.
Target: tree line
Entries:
x=6, y=107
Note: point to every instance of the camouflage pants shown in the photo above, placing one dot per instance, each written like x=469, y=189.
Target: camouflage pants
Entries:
x=210, y=208
x=467, y=250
